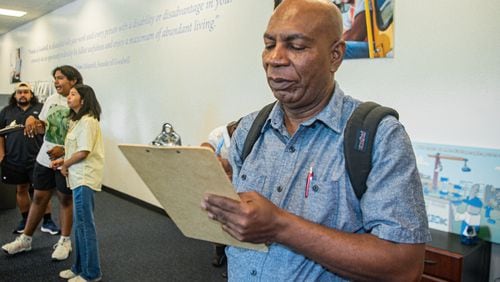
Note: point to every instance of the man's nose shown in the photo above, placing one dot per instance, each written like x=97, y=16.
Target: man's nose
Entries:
x=278, y=56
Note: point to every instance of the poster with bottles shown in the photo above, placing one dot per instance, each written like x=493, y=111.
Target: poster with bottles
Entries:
x=461, y=188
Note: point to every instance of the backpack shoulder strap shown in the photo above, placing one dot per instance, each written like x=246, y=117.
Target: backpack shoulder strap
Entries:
x=255, y=129
x=359, y=136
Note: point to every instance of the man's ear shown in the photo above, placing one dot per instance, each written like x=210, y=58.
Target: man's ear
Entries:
x=337, y=52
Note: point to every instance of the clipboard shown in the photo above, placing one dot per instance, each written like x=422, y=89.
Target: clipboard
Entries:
x=11, y=128
x=179, y=177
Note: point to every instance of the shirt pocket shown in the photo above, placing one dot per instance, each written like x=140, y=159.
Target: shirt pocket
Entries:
x=321, y=204
x=70, y=145
x=250, y=181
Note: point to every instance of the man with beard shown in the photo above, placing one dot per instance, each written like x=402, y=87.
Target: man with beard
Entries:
x=18, y=152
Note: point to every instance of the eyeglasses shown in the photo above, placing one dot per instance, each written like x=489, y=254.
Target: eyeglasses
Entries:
x=23, y=91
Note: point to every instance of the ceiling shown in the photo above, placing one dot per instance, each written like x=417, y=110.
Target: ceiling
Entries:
x=34, y=9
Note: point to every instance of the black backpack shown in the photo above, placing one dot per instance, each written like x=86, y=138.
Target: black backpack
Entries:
x=359, y=135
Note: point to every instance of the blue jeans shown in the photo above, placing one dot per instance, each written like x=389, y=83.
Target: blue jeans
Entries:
x=87, y=262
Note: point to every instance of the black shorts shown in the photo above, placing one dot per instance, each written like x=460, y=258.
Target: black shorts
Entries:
x=16, y=175
x=45, y=178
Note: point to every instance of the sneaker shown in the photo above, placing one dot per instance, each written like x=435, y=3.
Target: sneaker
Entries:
x=50, y=227
x=21, y=244
x=67, y=274
x=62, y=249
x=81, y=279
x=20, y=227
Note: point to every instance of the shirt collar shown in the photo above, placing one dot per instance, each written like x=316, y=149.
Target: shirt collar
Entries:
x=331, y=115
x=21, y=109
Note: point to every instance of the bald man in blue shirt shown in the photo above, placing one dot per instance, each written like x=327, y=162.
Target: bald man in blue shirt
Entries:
x=295, y=192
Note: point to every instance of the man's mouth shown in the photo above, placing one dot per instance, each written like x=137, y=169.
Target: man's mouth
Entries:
x=280, y=83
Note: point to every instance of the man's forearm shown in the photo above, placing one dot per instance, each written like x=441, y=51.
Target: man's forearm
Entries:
x=355, y=256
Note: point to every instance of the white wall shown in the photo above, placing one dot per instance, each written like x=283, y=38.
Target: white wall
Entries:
x=444, y=79
x=195, y=80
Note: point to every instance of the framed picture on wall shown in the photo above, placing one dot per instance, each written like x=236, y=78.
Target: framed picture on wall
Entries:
x=15, y=65
x=368, y=27
x=461, y=188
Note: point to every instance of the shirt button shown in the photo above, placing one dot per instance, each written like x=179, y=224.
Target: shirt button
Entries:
x=279, y=188
x=292, y=149
x=253, y=272
x=315, y=188
x=244, y=177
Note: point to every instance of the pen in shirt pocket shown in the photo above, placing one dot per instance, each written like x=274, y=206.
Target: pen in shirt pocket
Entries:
x=309, y=179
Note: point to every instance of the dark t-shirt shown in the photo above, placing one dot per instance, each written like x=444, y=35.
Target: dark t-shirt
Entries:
x=20, y=151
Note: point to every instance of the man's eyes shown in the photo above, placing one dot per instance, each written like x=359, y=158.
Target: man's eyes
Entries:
x=296, y=47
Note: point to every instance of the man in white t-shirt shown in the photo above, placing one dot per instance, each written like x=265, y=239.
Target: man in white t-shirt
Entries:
x=219, y=140
x=53, y=121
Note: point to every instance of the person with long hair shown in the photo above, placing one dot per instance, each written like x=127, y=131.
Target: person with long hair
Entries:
x=53, y=123
x=83, y=165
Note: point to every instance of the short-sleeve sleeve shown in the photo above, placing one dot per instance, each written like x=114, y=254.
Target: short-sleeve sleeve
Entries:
x=86, y=137
x=393, y=206
x=215, y=136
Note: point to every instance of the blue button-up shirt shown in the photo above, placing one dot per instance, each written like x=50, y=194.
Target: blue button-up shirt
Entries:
x=392, y=207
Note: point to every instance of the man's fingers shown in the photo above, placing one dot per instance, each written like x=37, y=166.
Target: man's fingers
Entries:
x=221, y=209
x=27, y=131
x=223, y=203
x=244, y=235
x=232, y=232
x=29, y=126
x=215, y=211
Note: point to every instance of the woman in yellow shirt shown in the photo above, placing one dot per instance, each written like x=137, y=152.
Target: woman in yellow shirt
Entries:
x=83, y=166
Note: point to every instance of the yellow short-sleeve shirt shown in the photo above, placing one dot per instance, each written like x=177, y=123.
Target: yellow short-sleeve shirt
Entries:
x=85, y=135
